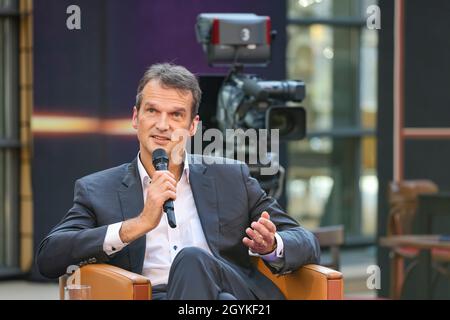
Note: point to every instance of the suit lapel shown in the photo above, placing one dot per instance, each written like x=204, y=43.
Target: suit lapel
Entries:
x=132, y=203
x=205, y=198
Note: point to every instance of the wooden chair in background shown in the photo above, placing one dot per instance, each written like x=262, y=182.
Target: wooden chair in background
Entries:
x=403, y=203
x=331, y=238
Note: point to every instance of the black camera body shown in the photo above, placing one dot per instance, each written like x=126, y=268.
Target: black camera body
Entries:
x=248, y=102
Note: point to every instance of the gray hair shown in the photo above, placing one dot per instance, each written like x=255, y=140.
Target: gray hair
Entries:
x=172, y=76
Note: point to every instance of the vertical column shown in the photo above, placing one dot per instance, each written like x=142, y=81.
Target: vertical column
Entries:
x=26, y=109
x=399, y=88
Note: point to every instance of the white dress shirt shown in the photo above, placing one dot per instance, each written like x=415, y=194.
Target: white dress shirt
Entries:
x=163, y=243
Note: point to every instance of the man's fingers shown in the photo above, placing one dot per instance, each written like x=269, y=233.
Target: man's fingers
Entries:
x=265, y=215
x=168, y=194
x=261, y=234
x=169, y=186
x=248, y=242
x=265, y=220
x=251, y=233
x=255, y=236
x=268, y=224
x=262, y=230
x=160, y=176
x=252, y=245
x=158, y=173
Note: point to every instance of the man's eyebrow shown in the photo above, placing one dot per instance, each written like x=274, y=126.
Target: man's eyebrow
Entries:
x=179, y=109
x=149, y=104
x=175, y=109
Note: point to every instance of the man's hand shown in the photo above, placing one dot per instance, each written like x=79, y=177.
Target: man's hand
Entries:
x=261, y=235
x=163, y=187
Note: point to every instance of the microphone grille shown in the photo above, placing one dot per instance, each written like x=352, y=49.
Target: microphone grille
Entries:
x=160, y=155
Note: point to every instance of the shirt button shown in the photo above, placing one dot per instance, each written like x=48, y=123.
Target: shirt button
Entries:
x=175, y=247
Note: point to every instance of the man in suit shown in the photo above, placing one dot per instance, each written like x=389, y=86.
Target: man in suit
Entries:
x=223, y=216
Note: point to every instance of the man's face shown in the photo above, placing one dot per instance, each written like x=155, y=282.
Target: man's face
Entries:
x=164, y=114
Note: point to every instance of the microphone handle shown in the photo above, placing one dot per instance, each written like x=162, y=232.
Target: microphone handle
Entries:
x=170, y=212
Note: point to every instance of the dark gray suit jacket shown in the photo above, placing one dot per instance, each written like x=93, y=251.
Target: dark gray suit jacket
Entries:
x=227, y=198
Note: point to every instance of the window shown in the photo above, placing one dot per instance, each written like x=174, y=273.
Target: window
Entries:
x=332, y=174
x=9, y=135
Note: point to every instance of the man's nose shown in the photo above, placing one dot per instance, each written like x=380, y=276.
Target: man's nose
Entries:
x=162, y=124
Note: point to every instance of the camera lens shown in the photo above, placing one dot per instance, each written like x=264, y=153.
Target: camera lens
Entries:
x=290, y=121
x=282, y=122
x=289, y=90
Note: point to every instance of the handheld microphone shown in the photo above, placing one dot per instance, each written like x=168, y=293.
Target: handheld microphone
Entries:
x=161, y=162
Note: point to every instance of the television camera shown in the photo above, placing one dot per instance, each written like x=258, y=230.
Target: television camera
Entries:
x=246, y=101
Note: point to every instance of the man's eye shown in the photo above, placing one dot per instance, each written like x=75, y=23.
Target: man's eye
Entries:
x=151, y=110
x=177, y=114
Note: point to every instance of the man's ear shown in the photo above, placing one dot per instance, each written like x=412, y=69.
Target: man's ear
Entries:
x=135, y=117
x=194, y=125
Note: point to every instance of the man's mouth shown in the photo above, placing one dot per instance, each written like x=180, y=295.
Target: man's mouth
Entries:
x=160, y=138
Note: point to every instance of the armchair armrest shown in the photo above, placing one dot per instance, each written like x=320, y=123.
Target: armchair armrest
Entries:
x=111, y=283
x=310, y=282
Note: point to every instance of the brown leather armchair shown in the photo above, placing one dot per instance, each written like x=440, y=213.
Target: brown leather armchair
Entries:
x=311, y=282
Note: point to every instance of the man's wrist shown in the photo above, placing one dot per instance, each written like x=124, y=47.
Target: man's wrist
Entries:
x=123, y=234
x=274, y=247
x=276, y=255
x=130, y=230
x=112, y=242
